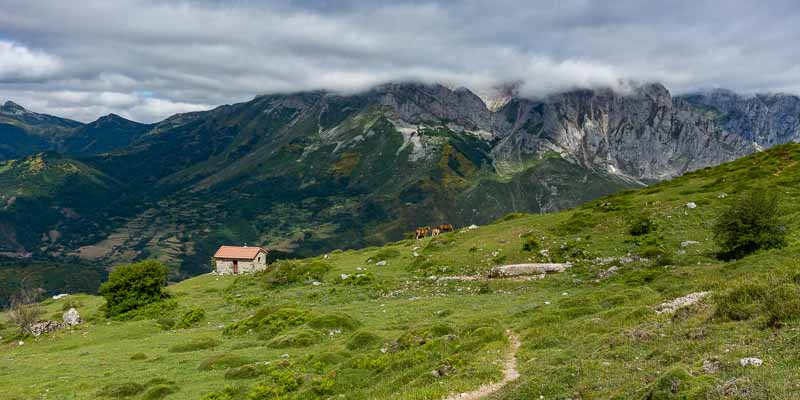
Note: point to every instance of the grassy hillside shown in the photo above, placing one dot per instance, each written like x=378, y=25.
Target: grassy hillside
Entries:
x=369, y=331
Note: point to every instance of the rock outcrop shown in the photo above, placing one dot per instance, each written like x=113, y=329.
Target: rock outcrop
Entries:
x=40, y=328
x=645, y=135
x=767, y=119
x=507, y=271
x=71, y=317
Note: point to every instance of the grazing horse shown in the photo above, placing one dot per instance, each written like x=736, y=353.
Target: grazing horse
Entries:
x=435, y=232
x=422, y=232
x=445, y=228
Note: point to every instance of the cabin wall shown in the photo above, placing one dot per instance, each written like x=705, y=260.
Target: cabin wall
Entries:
x=225, y=266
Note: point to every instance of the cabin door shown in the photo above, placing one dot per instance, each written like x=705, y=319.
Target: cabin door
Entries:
x=235, y=266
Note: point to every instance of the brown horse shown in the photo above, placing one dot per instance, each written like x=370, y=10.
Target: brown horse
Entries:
x=445, y=228
x=435, y=232
x=422, y=232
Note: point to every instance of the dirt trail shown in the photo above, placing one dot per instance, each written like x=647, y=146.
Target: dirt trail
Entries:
x=510, y=373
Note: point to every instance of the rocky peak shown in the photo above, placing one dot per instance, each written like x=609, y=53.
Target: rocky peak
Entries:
x=419, y=103
x=13, y=108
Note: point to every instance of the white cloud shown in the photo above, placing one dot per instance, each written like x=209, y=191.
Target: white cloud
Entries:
x=20, y=63
x=192, y=54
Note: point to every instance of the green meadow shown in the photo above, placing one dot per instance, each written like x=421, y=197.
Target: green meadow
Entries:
x=420, y=319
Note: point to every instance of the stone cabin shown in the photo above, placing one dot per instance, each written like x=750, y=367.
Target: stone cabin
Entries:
x=234, y=260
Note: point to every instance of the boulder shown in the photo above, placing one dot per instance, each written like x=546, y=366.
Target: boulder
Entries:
x=42, y=327
x=756, y=362
x=688, y=243
x=71, y=317
x=691, y=205
x=506, y=271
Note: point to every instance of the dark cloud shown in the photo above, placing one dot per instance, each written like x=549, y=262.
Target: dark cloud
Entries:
x=147, y=59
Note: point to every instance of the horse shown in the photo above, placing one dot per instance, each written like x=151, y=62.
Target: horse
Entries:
x=443, y=228
x=422, y=232
x=435, y=232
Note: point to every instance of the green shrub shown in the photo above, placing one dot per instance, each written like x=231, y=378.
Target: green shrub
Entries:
x=363, y=340
x=512, y=216
x=322, y=386
x=243, y=372
x=194, y=345
x=229, y=393
x=576, y=223
x=149, y=311
x=121, y=390
x=223, y=361
x=298, y=338
x=287, y=272
x=741, y=302
x=385, y=254
x=270, y=321
x=751, y=223
x=191, y=317
x=280, y=384
x=530, y=244
x=782, y=305
x=71, y=303
x=652, y=253
x=166, y=323
x=139, y=356
x=642, y=225
x=333, y=321
x=132, y=286
x=677, y=383
x=159, y=392
x=486, y=334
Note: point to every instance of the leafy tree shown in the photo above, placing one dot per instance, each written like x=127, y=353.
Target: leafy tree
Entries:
x=751, y=223
x=132, y=286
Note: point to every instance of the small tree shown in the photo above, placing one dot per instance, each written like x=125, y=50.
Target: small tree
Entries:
x=24, y=311
x=132, y=286
x=751, y=223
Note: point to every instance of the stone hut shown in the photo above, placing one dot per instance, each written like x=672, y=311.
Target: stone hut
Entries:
x=234, y=260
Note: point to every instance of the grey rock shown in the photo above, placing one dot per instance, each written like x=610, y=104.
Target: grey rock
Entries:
x=40, y=328
x=754, y=361
x=766, y=119
x=71, y=317
x=526, y=269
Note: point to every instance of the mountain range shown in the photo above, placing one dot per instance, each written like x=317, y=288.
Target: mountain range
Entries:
x=308, y=172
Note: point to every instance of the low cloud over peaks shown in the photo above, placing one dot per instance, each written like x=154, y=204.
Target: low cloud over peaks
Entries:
x=147, y=59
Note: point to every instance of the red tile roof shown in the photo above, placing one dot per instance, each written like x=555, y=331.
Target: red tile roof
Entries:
x=242, y=253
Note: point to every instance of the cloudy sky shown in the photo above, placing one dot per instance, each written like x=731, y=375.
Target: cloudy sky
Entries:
x=148, y=59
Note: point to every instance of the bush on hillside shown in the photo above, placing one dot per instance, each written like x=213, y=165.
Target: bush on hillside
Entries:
x=133, y=286
x=749, y=224
x=286, y=272
x=530, y=244
x=642, y=225
x=191, y=317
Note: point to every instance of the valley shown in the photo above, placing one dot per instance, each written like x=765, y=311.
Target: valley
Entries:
x=311, y=172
